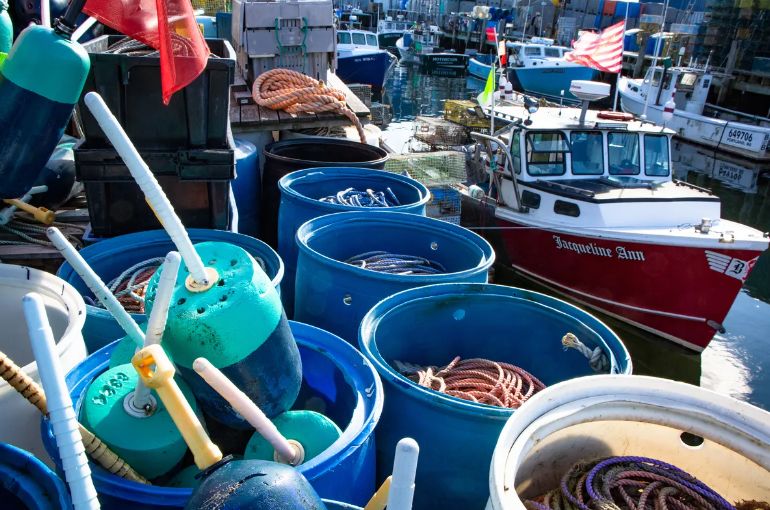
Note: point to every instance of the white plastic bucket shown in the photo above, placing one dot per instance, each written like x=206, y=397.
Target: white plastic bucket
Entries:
x=20, y=420
x=607, y=415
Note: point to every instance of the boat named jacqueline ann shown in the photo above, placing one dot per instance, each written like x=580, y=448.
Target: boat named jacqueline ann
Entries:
x=586, y=205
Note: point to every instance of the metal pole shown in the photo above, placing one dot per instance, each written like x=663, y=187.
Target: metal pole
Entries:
x=542, y=15
x=617, y=79
x=655, y=60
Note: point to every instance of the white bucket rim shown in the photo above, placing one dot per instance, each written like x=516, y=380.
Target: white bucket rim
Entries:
x=53, y=287
x=714, y=411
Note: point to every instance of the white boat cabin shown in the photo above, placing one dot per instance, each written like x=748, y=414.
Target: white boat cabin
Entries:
x=388, y=25
x=689, y=87
x=348, y=40
x=525, y=54
x=604, y=172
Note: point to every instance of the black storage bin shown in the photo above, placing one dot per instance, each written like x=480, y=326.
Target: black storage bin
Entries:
x=197, y=182
x=196, y=117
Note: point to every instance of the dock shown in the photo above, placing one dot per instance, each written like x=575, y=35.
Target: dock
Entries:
x=247, y=116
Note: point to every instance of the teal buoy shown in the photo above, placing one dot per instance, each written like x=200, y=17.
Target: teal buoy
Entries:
x=313, y=431
x=239, y=325
x=152, y=445
x=6, y=28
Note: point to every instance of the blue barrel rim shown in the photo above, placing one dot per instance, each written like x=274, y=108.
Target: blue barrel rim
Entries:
x=434, y=398
x=26, y=467
x=339, y=142
x=66, y=271
x=337, y=350
x=285, y=184
x=424, y=224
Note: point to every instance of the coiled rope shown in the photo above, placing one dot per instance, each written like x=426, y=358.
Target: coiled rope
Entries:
x=478, y=380
x=633, y=483
x=95, y=448
x=368, y=198
x=391, y=263
x=293, y=92
x=29, y=233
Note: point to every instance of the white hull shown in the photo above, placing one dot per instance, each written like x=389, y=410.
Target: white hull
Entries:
x=745, y=140
x=407, y=54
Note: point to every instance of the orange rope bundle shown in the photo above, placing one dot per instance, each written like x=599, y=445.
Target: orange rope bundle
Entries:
x=479, y=380
x=293, y=92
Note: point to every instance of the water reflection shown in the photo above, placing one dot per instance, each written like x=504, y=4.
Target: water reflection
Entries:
x=736, y=363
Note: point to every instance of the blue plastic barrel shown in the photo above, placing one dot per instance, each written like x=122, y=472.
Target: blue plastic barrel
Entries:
x=208, y=24
x=247, y=187
x=335, y=296
x=300, y=194
x=336, y=505
x=337, y=381
x=112, y=256
x=27, y=483
x=430, y=326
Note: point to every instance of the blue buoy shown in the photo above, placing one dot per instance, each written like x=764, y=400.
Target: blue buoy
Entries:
x=430, y=326
x=335, y=296
x=300, y=194
x=110, y=257
x=337, y=381
x=28, y=484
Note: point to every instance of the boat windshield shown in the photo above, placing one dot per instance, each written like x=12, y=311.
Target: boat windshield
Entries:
x=545, y=153
x=552, y=52
x=587, y=152
x=371, y=39
x=343, y=37
x=359, y=38
x=656, y=155
x=623, y=153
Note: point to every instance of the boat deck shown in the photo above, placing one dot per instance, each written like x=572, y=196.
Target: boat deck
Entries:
x=247, y=116
x=611, y=189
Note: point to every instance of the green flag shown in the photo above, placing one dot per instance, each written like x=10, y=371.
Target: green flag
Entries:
x=485, y=97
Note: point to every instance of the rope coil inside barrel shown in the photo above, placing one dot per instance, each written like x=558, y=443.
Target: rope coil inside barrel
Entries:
x=293, y=92
x=384, y=262
x=629, y=482
x=478, y=380
x=368, y=198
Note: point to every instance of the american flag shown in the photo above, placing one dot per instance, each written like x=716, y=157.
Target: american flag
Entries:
x=602, y=51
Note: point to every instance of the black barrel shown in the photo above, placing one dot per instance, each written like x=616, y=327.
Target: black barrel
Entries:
x=287, y=156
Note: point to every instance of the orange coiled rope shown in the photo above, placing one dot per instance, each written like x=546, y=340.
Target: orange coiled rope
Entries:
x=477, y=380
x=293, y=92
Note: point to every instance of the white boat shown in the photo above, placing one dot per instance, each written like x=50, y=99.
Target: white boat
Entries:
x=422, y=46
x=694, y=119
x=584, y=203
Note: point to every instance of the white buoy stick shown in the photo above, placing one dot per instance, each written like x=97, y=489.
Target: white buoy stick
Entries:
x=156, y=323
x=150, y=187
x=83, y=28
x=61, y=414
x=289, y=451
x=96, y=285
x=404, y=471
x=45, y=13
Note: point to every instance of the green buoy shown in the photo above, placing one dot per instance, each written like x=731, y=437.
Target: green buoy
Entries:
x=6, y=28
x=313, y=431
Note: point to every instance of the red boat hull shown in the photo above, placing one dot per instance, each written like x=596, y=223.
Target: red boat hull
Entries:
x=680, y=293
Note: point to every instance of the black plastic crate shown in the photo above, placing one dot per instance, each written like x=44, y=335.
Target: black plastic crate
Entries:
x=196, y=117
x=197, y=182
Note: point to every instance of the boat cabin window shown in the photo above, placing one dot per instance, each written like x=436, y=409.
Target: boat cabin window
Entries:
x=623, y=151
x=359, y=38
x=371, y=40
x=545, y=153
x=343, y=37
x=656, y=155
x=687, y=80
x=656, y=78
x=587, y=152
x=532, y=51
x=516, y=151
x=552, y=52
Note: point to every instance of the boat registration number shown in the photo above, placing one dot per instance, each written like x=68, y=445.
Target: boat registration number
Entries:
x=742, y=138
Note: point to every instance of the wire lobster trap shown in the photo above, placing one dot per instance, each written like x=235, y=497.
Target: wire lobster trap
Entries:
x=437, y=134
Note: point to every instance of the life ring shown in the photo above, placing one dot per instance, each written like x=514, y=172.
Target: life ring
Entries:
x=614, y=115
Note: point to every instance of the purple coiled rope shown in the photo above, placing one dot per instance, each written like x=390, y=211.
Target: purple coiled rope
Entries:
x=391, y=263
x=602, y=484
x=368, y=198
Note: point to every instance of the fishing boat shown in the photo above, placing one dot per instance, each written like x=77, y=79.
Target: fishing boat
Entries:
x=421, y=46
x=584, y=203
x=360, y=59
x=694, y=119
x=480, y=65
x=389, y=31
x=538, y=68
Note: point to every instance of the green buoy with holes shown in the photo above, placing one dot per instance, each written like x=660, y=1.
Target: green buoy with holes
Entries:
x=150, y=443
x=238, y=324
x=313, y=431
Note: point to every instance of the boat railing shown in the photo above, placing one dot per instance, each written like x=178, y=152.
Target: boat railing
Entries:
x=739, y=116
x=496, y=176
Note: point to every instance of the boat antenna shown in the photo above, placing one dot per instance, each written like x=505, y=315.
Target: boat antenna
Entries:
x=561, y=100
x=643, y=116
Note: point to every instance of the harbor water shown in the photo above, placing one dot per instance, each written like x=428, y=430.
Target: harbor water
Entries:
x=736, y=363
